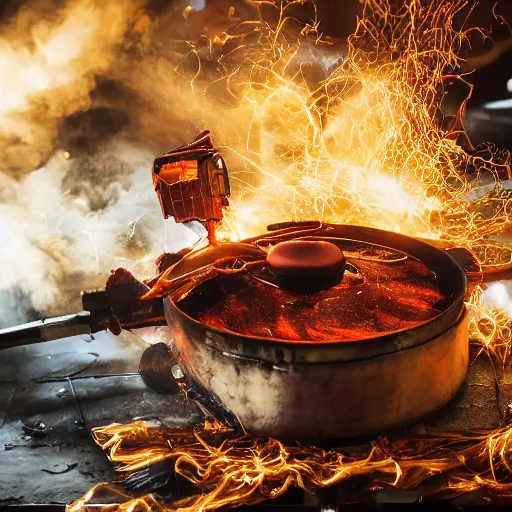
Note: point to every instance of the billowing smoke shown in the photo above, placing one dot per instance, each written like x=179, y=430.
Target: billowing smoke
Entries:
x=91, y=91
x=51, y=54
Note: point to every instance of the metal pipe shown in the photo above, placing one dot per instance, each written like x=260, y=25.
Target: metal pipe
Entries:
x=116, y=307
x=46, y=330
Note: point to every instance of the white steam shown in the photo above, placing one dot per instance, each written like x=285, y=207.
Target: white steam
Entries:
x=52, y=245
x=66, y=222
x=49, y=61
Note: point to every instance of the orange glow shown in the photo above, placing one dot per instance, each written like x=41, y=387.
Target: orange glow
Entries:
x=491, y=328
x=179, y=171
x=231, y=471
x=366, y=147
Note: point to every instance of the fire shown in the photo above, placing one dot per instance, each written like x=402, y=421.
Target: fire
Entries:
x=229, y=470
x=367, y=140
x=491, y=327
x=368, y=145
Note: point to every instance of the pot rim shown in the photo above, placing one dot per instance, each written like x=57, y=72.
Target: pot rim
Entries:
x=391, y=341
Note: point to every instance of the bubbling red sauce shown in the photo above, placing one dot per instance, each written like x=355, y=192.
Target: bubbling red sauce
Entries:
x=375, y=297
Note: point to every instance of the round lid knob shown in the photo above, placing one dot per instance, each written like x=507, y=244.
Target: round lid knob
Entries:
x=306, y=265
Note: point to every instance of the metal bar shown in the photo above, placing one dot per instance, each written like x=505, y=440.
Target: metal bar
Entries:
x=45, y=330
x=84, y=377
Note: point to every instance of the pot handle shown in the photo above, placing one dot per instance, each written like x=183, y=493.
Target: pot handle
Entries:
x=466, y=260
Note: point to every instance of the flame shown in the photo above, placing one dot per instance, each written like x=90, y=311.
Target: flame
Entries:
x=367, y=145
x=229, y=470
x=491, y=327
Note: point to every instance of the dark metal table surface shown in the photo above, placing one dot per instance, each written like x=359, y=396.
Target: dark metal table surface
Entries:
x=52, y=394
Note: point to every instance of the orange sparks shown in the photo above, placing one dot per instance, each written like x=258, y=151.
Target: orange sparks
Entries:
x=368, y=144
x=230, y=471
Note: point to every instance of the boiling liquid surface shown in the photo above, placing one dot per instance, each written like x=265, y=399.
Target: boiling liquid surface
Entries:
x=374, y=298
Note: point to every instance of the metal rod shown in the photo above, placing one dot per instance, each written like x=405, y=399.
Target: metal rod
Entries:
x=45, y=330
x=211, y=228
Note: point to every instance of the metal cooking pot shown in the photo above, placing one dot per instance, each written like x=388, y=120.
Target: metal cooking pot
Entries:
x=313, y=391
